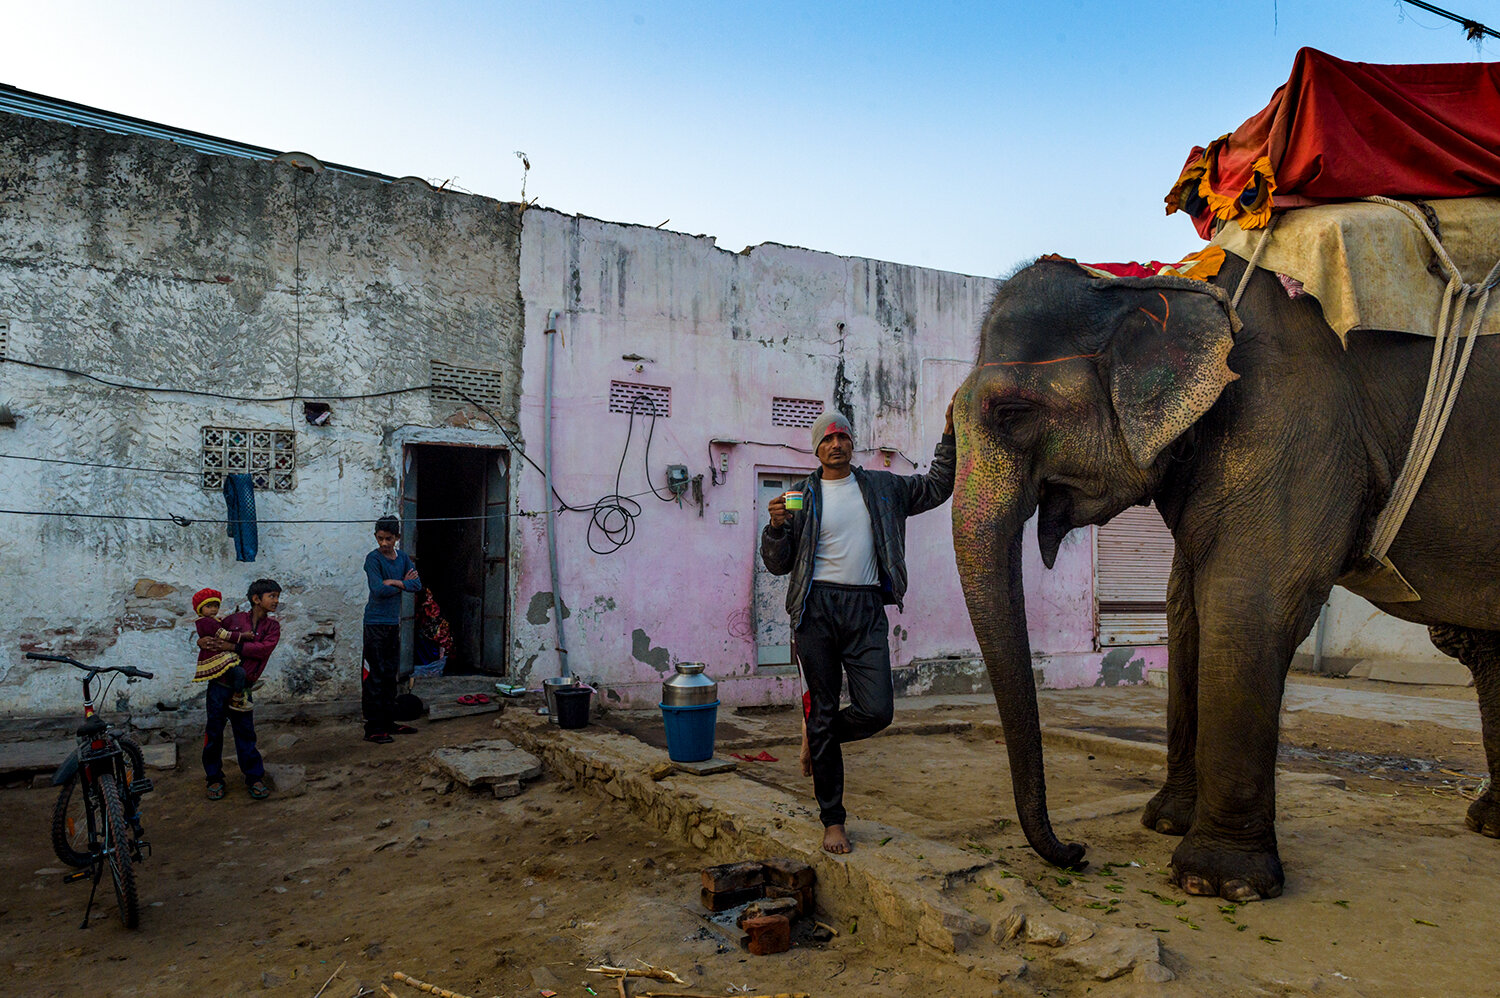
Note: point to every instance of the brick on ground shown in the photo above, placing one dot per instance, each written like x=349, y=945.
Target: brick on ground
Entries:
x=733, y=877
x=770, y=934
x=786, y=907
x=803, y=896
x=788, y=872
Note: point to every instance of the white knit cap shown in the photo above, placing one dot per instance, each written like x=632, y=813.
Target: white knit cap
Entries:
x=831, y=422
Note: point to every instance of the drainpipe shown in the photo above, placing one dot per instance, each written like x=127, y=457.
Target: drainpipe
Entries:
x=562, y=646
x=1318, y=640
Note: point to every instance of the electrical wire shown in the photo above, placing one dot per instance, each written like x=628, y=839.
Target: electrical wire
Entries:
x=96, y=464
x=201, y=393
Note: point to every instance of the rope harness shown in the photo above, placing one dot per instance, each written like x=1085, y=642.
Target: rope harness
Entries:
x=1444, y=378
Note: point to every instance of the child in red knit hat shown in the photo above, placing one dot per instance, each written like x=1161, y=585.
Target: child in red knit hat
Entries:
x=214, y=664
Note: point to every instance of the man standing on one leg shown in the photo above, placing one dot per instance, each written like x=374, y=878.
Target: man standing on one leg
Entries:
x=846, y=553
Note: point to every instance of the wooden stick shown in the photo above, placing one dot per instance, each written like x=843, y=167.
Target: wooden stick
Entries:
x=620, y=983
x=330, y=978
x=654, y=973
x=431, y=989
x=825, y=925
x=387, y=992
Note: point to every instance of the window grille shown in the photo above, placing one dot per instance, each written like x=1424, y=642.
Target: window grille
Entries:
x=268, y=456
x=4, y=336
x=643, y=400
x=451, y=383
x=795, y=412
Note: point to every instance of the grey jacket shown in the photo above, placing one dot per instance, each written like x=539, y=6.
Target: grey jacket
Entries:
x=890, y=500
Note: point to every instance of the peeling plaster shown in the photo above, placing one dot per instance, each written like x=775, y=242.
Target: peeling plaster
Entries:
x=640, y=649
x=540, y=609
x=1119, y=667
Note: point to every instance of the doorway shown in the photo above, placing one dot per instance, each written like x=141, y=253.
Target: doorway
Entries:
x=455, y=502
x=773, y=631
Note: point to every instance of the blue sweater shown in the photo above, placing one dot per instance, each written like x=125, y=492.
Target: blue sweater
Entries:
x=384, y=606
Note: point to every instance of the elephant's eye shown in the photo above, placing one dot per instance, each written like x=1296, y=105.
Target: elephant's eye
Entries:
x=1015, y=417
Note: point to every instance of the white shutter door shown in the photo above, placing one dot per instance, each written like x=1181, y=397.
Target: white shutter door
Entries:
x=1135, y=560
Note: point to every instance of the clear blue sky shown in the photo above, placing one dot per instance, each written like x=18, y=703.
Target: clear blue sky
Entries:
x=958, y=135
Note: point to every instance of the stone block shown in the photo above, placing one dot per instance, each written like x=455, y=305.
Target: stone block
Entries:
x=286, y=780
x=487, y=763
x=1112, y=952
x=770, y=934
x=724, y=900
x=707, y=767
x=160, y=755
x=786, y=907
x=788, y=872
x=733, y=877
x=802, y=896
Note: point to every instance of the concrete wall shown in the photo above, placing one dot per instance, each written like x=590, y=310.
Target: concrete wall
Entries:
x=726, y=332
x=143, y=262
x=1355, y=631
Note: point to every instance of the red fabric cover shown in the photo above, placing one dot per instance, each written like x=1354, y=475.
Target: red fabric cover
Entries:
x=1340, y=130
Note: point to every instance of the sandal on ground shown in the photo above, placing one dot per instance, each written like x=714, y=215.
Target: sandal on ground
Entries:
x=403, y=729
x=259, y=790
x=471, y=699
x=216, y=790
x=379, y=738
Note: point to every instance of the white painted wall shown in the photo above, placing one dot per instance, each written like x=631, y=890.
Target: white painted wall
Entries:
x=143, y=262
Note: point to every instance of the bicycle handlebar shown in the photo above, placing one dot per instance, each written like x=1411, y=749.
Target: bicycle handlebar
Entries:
x=124, y=670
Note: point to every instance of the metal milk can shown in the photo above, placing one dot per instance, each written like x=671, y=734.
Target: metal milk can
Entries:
x=690, y=687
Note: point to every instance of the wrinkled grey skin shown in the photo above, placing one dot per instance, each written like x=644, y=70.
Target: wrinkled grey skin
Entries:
x=1093, y=395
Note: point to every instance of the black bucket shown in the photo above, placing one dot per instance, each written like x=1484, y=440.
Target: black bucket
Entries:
x=572, y=706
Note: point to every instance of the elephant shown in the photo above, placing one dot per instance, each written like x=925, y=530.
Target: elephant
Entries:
x=1269, y=449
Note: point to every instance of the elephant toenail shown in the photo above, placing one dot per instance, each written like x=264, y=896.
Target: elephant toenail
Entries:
x=1239, y=891
x=1194, y=884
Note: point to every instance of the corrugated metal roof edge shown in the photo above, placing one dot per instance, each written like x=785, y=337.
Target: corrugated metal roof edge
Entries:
x=34, y=105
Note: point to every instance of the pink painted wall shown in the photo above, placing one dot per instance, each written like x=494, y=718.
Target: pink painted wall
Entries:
x=726, y=332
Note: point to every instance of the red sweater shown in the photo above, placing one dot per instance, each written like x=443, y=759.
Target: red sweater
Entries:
x=256, y=649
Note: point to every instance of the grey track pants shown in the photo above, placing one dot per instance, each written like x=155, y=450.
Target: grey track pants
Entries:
x=844, y=631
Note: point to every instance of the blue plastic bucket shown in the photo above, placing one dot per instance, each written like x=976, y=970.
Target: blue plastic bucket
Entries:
x=690, y=731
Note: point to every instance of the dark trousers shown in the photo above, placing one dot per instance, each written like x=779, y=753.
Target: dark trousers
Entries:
x=378, y=689
x=242, y=723
x=844, y=631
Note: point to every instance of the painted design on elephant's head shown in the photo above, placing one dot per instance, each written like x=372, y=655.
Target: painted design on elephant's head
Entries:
x=1081, y=385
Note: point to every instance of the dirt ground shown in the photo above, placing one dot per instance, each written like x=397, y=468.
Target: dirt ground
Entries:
x=1387, y=894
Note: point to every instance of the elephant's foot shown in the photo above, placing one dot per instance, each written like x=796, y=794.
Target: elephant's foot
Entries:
x=1484, y=816
x=1234, y=875
x=1170, y=811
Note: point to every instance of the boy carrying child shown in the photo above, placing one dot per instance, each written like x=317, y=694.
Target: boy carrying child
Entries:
x=252, y=636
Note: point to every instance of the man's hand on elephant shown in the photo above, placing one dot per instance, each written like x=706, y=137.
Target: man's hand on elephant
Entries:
x=779, y=514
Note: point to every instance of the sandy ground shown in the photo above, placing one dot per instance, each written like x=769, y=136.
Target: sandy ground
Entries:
x=1387, y=894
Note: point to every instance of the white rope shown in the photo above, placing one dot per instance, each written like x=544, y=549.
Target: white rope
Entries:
x=1444, y=377
x=1260, y=248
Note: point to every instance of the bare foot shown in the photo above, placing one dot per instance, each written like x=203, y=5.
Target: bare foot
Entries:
x=806, y=751
x=836, y=840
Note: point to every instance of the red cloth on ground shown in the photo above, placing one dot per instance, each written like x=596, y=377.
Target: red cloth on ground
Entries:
x=1340, y=130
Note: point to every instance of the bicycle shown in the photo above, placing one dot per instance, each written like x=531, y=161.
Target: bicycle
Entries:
x=96, y=823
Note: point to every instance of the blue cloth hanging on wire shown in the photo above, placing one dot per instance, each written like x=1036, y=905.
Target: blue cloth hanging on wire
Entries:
x=239, y=500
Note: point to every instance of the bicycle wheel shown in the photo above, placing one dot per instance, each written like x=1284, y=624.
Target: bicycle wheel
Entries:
x=70, y=825
x=135, y=759
x=116, y=850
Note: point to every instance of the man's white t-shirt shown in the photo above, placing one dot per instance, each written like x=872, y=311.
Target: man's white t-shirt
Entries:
x=845, y=552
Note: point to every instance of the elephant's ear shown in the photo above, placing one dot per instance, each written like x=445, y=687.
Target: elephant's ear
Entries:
x=1167, y=358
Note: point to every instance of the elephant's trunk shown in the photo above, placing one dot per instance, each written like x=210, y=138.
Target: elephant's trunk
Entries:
x=988, y=516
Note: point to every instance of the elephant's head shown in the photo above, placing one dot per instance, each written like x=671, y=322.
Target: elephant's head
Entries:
x=1081, y=384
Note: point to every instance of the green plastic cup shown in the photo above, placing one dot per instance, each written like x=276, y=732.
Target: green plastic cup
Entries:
x=793, y=500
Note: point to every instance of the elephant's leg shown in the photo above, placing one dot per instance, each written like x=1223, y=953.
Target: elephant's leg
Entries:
x=1480, y=651
x=1171, y=810
x=1250, y=620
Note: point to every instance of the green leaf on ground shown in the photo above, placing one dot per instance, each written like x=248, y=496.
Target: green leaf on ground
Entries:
x=885, y=840
x=1423, y=921
x=1270, y=939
